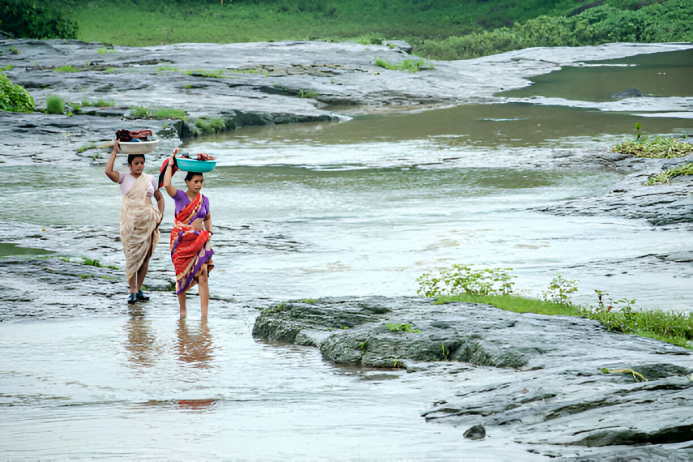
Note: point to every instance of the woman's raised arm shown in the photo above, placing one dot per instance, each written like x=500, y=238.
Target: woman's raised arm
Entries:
x=170, y=189
x=110, y=173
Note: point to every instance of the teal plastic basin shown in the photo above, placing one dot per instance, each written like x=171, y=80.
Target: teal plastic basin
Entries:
x=197, y=166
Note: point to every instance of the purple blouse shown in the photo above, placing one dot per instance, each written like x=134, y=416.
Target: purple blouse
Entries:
x=182, y=201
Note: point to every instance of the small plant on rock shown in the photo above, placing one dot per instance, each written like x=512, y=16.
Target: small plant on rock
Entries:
x=462, y=279
x=55, y=105
x=560, y=290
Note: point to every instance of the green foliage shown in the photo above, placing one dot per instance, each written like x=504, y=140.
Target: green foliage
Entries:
x=106, y=50
x=27, y=19
x=98, y=103
x=55, y=105
x=515, y=303
x=8, y=67
x=90, y=262
x=163, y=69
x=142, y=112
x=395, y=327
x=209, y=74
x=660, y=147
x=560, y=290
x=658, y=22
x=310, y=301
x=665, y=176
x=112, y=70
x=86, y=147
x=14, y=98
x=13, y=50
x=209, y=126
x=409, y=65
x=445, y=351
x=462, y=279
x=66, y=68
x=308, y=94
x=189, y=86
x=620, y=316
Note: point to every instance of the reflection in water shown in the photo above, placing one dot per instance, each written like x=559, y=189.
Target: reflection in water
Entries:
x=141, y=343
x=195, y=347
x=195, y=404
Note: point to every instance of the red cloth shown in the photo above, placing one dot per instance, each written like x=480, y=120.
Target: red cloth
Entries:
x=127, y=135
x=162, y=171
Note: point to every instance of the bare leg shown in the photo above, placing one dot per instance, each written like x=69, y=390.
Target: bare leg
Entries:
x=181, y=302
x=203, y=284
x=132, y=284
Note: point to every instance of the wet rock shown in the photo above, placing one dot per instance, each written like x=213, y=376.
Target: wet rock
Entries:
x=538, y=377
x=477, y=432
x=629, y=93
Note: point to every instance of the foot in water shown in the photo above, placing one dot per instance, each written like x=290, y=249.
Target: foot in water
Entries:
x=132, y=298
x=141, y=297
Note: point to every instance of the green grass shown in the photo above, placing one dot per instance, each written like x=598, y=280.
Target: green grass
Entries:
x=218, y=74
x=86, y=147
x=66, y=68
x=105, y=50
x=409, y=65
x=310, y=301
x=667, y=326
x=659, y=147
x=6, y=68
x=142, y=112
x=13, y=50
x=442, y=29
x=516, y=304
x=308, y=94
x=396, y=327
x=665, y=176
x=55, y=105
x=167, y=68
x=98, y=103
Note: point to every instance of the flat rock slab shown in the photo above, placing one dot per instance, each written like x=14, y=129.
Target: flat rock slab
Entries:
x=538, y=377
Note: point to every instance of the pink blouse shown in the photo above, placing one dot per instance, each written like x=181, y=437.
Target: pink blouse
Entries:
x=126, y=181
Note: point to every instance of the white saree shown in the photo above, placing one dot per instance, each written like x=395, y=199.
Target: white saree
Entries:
x=138, y=231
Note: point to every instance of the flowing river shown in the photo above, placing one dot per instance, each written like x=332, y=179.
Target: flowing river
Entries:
x=359, y=207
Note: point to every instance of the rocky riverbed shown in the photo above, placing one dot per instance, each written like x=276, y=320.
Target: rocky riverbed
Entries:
x=538, y=380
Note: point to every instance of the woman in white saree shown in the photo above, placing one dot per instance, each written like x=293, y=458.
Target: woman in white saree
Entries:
x=139, y=219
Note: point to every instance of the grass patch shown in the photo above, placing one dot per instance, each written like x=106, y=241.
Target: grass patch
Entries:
x=86, y=147
x=102, y=51
x=209, y=74
x=515, y=304
x=6, y=68
x=671, y=327
x=66, y=68
x=310, y=301
x=659, y=147
x=142, y=112
x=409, y=65
x=308, y=94
x=665, y=176
x=55, y=105
x=167, y=68
x=13, y=50
x=208, y=126
x=396, y=327
x=98, y=103
x=112, y=70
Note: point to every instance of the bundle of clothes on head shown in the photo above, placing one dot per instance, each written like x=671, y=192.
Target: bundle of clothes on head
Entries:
x=128, y=136
x=164, y=166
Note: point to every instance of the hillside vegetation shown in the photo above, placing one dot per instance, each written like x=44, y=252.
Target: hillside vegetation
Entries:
x=442, y=29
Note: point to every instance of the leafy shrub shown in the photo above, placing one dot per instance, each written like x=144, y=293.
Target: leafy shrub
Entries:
x=55, y=105
x=666, y=22
x=462, y=279
x=24, y=18
x=14, y=98
x=559, y=290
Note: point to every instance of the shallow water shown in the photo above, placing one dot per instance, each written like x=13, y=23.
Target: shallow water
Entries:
x=303, y=211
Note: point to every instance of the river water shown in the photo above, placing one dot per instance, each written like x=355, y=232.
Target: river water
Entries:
x=359, y=207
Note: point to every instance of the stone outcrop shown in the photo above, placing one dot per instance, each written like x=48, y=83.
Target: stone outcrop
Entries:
x=539, y=377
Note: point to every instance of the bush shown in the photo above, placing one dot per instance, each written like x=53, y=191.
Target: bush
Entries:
x=55, y=105
x=24, y=18
x=14, y=98
x=462, y=279
x=667, y=22
x=560, y=290
x=659, y=147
